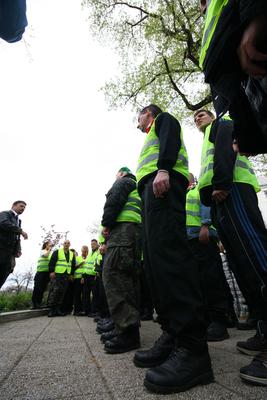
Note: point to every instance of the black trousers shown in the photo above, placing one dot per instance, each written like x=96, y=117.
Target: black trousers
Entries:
x=172, y=270
x=68, y=300
x=7, y=264
x=41, y=280
x=146, y=305
x=242, y=231
x=213, y=282
x=78, y=288
x=88, y=294
x=102, y=305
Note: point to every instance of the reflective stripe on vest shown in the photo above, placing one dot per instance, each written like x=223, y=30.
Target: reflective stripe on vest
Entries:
x=131, y=211
x=193, y=208
x=243, y=171
x=149, y=155
x=213, y=13
x=62, y=265
x=89, y=267
x=43, y=262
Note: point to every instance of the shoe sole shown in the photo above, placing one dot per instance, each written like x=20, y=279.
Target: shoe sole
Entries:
x=253, y=380
x=220, y=339
x=248, y=352
x=203, y=379
x=115, y=351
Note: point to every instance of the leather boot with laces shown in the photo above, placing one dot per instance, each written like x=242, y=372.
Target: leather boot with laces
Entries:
x=181, y=371
x=108, y=335
x=123, y=342
x=256, y=372
x=256, y=344
x=158, y=353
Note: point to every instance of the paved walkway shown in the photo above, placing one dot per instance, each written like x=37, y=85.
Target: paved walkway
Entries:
x=62, y=358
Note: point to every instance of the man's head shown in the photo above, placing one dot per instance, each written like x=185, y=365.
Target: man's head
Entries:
x=94, y=244
x=84, y=251
x=19, y=206
x=123, y=171
x=102, y=249
x=203, y=118
x=147, y=115
x=66, y=245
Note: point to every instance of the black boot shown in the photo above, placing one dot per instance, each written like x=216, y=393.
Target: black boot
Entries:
x=108, y=335
x=181, y=371
x=52, y=312
x=158, y=353
x=217, y=332
x=105, y=327
x=59, y=313
x=123, y=342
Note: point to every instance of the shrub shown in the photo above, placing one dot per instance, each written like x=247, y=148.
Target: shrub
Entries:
x=15, y=301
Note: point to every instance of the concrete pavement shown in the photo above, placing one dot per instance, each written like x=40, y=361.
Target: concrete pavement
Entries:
x=62, y=358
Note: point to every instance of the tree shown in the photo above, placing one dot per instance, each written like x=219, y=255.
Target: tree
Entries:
x=158, y=43
x=49, y=234
x=259, y=164
x=21, y=280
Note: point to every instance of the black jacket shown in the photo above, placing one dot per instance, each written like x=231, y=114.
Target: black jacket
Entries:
x=224, y=159
x=223, y=72
x=116, y=198
x=9, y=232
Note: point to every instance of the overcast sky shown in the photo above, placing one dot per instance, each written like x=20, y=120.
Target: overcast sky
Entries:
x=60, y=146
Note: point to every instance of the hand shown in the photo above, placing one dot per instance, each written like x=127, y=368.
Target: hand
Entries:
x=253, y=61
x=105, y=232
x=204, y=235
x=219, y=195
x=19, y=253
x=161, y=184
x=82, y=281
x=24, y=234
x=52, y=275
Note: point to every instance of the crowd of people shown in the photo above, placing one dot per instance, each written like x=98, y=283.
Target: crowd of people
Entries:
x=159, y=250
x=166, y=226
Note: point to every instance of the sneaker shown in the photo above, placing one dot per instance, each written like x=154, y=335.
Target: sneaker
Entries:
x=158, y=353
x=256, y=372
x=123, y=342
x=217, y=332
x=254, y=345
x=181, y=371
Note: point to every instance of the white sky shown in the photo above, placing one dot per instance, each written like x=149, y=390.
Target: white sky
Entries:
x=60, y=146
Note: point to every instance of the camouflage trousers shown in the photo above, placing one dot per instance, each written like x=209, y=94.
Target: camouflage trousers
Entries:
x=121, y=275
x=58, y=287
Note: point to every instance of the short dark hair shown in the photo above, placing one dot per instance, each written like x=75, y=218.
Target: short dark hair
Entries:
x=155, y=110
x=206, y=111
x=94, y=240
x=45, y=244
x=19, y=201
